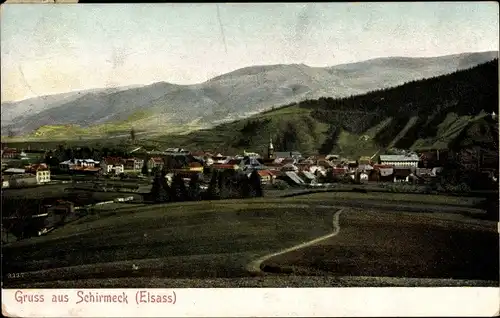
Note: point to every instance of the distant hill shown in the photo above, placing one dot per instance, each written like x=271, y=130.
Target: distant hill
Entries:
x=431, y=113
x=234, y=95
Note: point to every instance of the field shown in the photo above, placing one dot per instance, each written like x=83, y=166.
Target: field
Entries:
x=212, y=243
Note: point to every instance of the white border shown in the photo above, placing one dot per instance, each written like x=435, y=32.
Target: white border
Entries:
x=266, y=302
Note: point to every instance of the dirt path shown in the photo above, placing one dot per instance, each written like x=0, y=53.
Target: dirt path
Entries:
x=255, y=266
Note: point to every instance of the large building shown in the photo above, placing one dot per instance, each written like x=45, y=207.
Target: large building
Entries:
x=403, y=161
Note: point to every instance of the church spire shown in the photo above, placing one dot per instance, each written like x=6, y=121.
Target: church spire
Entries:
x=270, y=149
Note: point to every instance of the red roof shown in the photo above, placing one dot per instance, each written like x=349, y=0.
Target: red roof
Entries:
x=195, y=164
x=264, y=173
x=112, y=160
x=37, y=166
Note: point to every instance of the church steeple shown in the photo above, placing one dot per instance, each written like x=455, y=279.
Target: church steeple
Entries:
x=270, y=149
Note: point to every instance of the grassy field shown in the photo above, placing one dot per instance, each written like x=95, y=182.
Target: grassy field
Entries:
x=370, y=243
x=205, y=239
x=217, y=239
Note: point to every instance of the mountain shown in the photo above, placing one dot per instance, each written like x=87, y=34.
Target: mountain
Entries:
x=13, y=111
x=434, y=113
x=234, y=95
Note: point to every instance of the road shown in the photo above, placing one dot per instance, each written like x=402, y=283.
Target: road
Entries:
x=206, y=242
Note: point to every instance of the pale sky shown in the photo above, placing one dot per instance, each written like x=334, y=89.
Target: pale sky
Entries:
x=55, y=48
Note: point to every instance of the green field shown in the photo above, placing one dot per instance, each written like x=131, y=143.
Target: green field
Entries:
x=196, y=240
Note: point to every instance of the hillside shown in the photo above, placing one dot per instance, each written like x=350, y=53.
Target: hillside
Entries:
x=231, y=96
x=430, y=113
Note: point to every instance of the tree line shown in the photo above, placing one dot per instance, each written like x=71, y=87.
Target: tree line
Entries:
x=226, y=184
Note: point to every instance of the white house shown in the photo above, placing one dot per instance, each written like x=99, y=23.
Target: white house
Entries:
x=42, y=176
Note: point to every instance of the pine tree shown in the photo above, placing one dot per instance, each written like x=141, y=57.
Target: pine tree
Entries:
x=145, y=170
x=160, y=189
x=194, y=188
x=179, y=188
x=245, y=189
x=132, y=135
x=256, y=184
x=224, y=188
x=213, y=188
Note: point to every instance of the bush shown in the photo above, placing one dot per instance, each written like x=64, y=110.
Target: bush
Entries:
x=280, y=185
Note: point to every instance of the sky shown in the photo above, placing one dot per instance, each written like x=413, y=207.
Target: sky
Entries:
x=55, y=48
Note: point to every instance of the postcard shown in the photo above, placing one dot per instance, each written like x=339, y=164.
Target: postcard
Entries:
x=249, y=159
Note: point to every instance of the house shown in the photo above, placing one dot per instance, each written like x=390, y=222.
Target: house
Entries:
x=41, y=171
x=308, y=177
x=220, y=159
x=383, y=173
x=77, y=164
x=402, y=174
x=5, y=182
x=113, y=165
x=405, y=160
x=290, y=167
x=266, y=176
x=10, y=153
x=155, y=162
x=133, y=164
x=250, y=154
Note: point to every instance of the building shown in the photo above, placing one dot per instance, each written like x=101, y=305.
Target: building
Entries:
x=403, y=161
x=10, y=153
x=5, y=182
x=155, y=162
x=41, y=171
x=133, y=164
x=266, y=176
x=77, y=163
x=270, y=149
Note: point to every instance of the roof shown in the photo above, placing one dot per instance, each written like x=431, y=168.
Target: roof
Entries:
x=157, y=159
x=412, y=157
x=112, y=160
x=264, y=173
x=37, y=166
x=223, y=166
x=14, y=170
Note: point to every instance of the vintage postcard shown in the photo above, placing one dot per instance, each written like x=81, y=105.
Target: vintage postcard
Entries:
x=250, y=159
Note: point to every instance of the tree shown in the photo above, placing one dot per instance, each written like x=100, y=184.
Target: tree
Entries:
x=194, y=188
x=244, y=182
x=179, y=190
x=224, y=186
x=213, y=192
x=132, y=135
x=145, y=170
x=160, y=191
x=256, y=184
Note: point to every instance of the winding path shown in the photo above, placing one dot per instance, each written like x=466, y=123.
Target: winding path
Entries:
x=255, y=266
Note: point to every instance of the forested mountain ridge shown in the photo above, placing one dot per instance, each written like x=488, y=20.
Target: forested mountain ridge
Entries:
x=419, y=114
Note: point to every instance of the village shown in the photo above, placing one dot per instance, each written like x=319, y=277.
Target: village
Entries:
x=291, y=166
x=59, y=191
